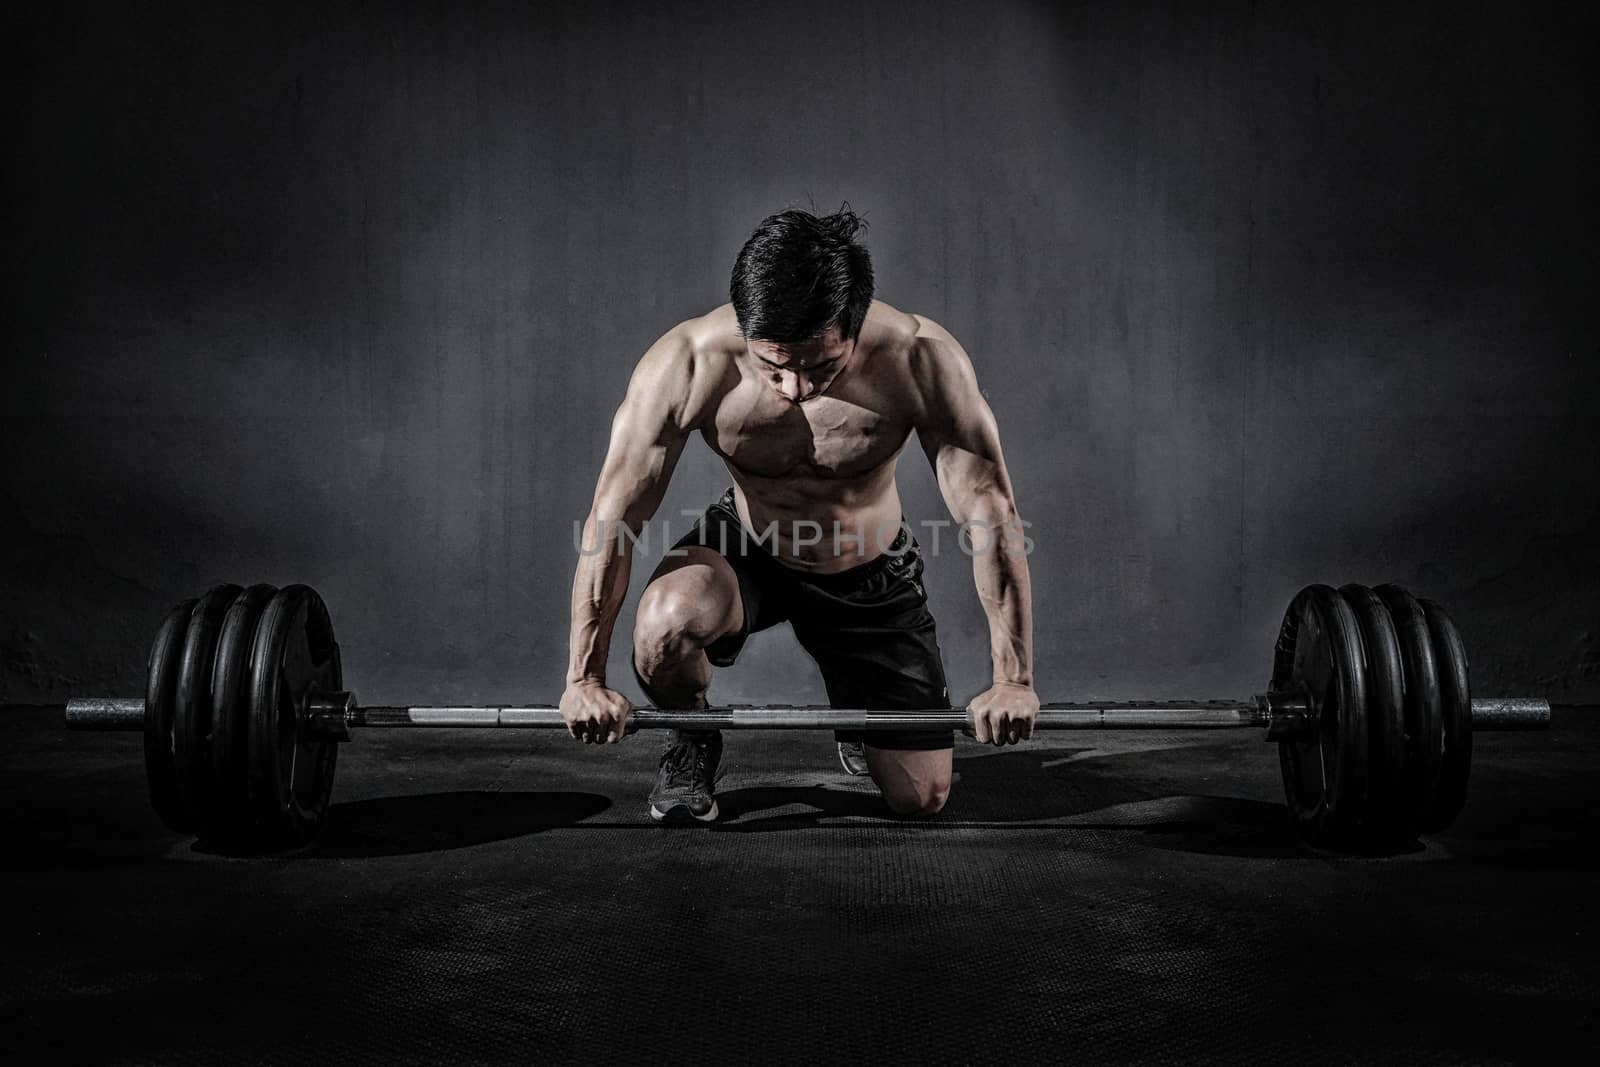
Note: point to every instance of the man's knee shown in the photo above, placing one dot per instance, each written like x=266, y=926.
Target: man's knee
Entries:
x=666, y=627
x=918, y=799
x=677, y=617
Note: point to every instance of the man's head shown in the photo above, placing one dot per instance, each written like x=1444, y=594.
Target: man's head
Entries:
x=801, y=286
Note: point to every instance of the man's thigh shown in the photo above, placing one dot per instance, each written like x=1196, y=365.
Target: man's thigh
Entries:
x=878, y=648
x=696, y=590
x=727, y=563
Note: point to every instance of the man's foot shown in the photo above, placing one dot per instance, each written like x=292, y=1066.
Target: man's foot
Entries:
x=683, y=792
x=853, y=758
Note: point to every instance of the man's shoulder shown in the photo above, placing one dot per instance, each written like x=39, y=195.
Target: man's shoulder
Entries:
x=938, y=371
x=888, y=329
x=913, y=339
x=929, y=352
x=690, y=363
x=685, y=347
x=913, y=355
x=707, y=342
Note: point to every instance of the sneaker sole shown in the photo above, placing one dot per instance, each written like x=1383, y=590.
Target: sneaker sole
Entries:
x=680, y=815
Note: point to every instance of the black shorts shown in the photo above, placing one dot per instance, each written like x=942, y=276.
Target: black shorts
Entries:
x=868, y=627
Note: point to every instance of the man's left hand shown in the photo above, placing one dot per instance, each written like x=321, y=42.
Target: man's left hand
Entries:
x=1004, y=714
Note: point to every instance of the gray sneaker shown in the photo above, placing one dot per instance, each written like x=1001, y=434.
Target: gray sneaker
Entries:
x=684, y=786
x=853, y=758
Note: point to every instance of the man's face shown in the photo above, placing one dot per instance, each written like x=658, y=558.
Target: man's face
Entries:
x=802, y=370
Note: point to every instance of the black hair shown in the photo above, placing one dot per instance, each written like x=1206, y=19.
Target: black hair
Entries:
x=799, y=274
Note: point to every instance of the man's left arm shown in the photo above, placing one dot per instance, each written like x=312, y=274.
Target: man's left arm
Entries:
x=959, y=435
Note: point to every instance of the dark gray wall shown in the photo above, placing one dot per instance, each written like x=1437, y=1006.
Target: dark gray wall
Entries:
x=1262, y=295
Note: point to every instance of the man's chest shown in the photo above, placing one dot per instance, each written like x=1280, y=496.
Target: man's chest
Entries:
x=829, y=436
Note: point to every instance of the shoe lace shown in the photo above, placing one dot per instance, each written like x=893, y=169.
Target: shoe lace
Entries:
x=685, y=762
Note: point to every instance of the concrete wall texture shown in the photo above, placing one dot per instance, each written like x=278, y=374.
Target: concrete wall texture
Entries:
x=347, y=294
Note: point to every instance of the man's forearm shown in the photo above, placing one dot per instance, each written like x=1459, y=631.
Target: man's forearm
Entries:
x=605, y=562
x=1000, y=571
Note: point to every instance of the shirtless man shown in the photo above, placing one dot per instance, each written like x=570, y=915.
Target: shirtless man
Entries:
x=808, y=389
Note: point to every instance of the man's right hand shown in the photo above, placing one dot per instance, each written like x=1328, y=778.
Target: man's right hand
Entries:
x=595, y=715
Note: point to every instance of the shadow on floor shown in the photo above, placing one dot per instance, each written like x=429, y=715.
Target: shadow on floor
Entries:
x=1060, y=790
x=1054, y=789
x=437, y=822
x=741, y=809
x=1223, y=826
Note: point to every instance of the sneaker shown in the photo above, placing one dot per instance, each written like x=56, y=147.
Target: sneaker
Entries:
x=853, y=758
x=683, y=791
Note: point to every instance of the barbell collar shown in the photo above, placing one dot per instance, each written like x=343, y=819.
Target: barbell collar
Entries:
x=329, y=715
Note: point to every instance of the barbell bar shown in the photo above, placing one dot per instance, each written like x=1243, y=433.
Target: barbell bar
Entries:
x=1369, y=704
x=332, y=717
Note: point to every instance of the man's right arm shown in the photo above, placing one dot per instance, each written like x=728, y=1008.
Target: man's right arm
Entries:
x=647, y=436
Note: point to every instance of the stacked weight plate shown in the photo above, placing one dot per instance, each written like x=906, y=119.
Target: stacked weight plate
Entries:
x=226, y=751
x=1389, y=749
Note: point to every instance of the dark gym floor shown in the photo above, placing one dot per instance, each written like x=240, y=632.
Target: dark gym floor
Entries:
x=495, y=895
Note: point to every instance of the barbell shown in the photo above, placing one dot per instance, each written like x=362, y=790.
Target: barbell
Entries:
x=1369, y=704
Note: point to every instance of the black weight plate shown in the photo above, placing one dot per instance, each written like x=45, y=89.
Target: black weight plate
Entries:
x=161, y=683
x=1319, y=654
x=1424, y=712
x=1456, y=695
x=230, y=713
x=1387, y=817
x=191, y=710
x=291, y=775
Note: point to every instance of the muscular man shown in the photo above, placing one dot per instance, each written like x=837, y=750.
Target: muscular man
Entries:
x=808, y=389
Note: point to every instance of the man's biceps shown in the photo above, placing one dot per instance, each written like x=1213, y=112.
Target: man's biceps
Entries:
x=971, y=429
x=969, y=466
